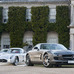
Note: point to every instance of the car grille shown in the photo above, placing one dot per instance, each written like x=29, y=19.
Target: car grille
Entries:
x=68, y=57
x=3, y=60
x=65, y=57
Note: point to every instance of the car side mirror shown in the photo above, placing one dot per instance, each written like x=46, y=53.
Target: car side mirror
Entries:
x=36, y=48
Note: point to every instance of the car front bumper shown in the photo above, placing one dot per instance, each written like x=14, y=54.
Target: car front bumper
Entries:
x=63, y=62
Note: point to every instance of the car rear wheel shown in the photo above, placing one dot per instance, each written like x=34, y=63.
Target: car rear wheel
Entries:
x=46, y=61
x=28, y=62
x=16, y=62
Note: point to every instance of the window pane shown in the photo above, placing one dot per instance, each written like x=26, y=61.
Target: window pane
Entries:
x=52, y=20
x=28, y=14
x=52, y=37
x=52, y=11
x=5, y=15
x=52, y=15
x=28, y=38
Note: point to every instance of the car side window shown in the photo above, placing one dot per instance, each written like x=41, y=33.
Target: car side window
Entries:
x=35, y=48
x=42, y=46
x=15, y=51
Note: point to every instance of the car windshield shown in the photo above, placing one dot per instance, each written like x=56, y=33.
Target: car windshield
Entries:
x=53, y=47
x=4, y=50
x=14, y=51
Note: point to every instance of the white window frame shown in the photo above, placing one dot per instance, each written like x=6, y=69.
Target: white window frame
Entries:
x=28, y=14
x=5, y=15
x=52, y=15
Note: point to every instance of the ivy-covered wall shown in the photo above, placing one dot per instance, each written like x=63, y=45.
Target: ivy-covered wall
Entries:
x=62, y=21
x=1, y=25
x=16, y=22
x=39, y=24
x=1, y=15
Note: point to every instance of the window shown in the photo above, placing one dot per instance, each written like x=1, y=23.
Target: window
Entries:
x=35, y=47
x=52, y=37
x=15, y=50
x=5, y=41
x=5, y=15
x=52, y=15
x=6, y=46
x=28, y=38
x=28, y=14
x=53, y=47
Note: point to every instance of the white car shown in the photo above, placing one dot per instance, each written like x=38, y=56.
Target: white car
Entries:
x=14, y=56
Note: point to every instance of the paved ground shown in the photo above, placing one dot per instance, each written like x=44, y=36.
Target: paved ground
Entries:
x=22, y=69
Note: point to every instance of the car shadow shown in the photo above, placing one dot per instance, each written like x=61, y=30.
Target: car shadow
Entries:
x=65, y=66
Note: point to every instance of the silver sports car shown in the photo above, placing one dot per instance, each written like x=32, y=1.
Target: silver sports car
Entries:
x=50, y=55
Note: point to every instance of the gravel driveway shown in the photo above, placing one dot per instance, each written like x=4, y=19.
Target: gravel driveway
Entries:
x=22, y=69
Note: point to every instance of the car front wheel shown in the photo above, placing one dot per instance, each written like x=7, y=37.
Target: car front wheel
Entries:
x=28, y=62
x=46, y=61
x=16, y=61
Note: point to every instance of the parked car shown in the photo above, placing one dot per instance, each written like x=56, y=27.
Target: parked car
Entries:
x=14, y=56
x=50, y=55
x=4, y=50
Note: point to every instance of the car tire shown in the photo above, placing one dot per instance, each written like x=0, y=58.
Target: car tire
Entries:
x=46, y=61
x=16, y=61
x=28, y=61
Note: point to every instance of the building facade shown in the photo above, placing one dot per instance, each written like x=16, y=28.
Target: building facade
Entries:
x=52, y=36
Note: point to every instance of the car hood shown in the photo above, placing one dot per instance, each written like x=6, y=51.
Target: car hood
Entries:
x=5, y=55
x=62, y=52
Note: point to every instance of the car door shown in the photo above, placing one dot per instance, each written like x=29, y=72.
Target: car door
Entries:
x=36, y=54
x=20, y=55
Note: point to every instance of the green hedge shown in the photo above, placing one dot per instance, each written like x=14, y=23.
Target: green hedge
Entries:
x=16, y=22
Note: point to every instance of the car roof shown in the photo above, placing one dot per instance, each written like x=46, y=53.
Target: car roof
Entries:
x=48, y=43
x=15, y=48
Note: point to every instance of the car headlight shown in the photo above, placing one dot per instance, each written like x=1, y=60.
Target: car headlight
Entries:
x=11, y=57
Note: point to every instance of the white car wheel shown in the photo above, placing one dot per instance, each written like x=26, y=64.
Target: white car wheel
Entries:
x=16, y=62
